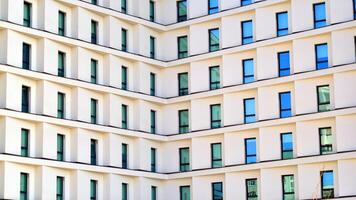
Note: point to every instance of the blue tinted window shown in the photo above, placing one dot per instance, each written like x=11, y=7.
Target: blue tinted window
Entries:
x=321, y=51
x=250, y=150
x=245, y=2
x=282, y=23
x=249, y=109
x=248, y=71
x=285, y=104
x=319, y=15
x=213, y=6
x=327, y=184
x=214, y=39
x=247, y=32
x=217, y=191
x=283, y=64
x=354, y=2
x=287, y=145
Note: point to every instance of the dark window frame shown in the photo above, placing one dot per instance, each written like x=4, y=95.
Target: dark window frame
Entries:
x=153, y=159
x=329, y=147
x=283, y=189
x=124, y=6
x=213, y=193
x=25, y=148
x=183, y=128
x=61, y=109
x=181, y=18
x=152, y=11
x=181, y=191
x=280, y=67
x=184, y=166
x=213, y=85
x=93, y=151
x=93, y=71
x=214, y=9
x=317, y=62
x=152, y=84
x=253, y=197
x=182, y=54
x=27, y=20
x=94, y=32
x=62, y=27
x=26, y=55
x=182, y=90
x=250, y=155
x=218, y=121
x=60, y=189
x=243, y=37
x=213, y=47
x=282, y=110
x=244, y=76
x=314, y=15
x=123, y=39
x=24, y=192
x=124, y=155
x=218, y=161
x=95, y=192
x=93, y=113
x=152, y=47
x=124, y=196
x=153, y=192
x=124, y=116
x=249, y=115
x=282, y=149
x=25, y=99
x=318, y=99
x=124, y=79
x=61, y=149
x=281, y=31
x=61, y=68
x=322, y=185
x=153, y=121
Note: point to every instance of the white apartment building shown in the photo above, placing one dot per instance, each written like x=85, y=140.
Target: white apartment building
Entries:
x=177, y=99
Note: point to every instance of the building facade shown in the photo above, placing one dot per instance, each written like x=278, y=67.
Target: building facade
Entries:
x=178, y=100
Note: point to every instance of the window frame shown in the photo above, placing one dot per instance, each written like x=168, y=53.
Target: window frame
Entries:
x=153, y=192
x=322, y=185
x=283, y=188
x=93, y=193
x=283, y=110
x=214, y=9
x=216, y=162
x=25, y=99
x=245, y=2
x=329, y=147
x=60, y=188
x=62, y=27
x=247, y=188
x=244, y=66
x=60, y=147
x=26, y=56
x=323, y=103
x=152, y=10
x=250, y=155
x=282, y=68
x=152, y=84
x=182, y=54
x=61, y=97
x=93, y=112
x=213, y=121
x=182, y=91
x=315, y=22
x=246, y=39
x=184, y=166
x=124, y=39
x=282, y=147
x=214, y=85
x=124, y=6
x=153, y=159
x=181, y=192
x=24, y=190
x=319, y=64
x=61, y=64
x=25, y=142
x=27, y=20
x=124, y=195
x=183, y=128
x=124, y=79
x=93, y=71
x=124, y=116
x=124, y=156
x=181, y=18
x=94, y=32
x=213, y=191
x=93, y=151
x=153, y=122
x=246, y=116
x=152, y=47
x=281, y=31
x=214, y=47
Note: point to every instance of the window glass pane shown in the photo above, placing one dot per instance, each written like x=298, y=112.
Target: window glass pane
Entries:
x=124, y=155
x=216, y=151
x=183, y=121
x=61, y=23
x=185, y=193
x=61, y=63
x=123, y=6
x=288, y=187
x=250, y=113
x=285, y=104
x=123, y=39
x=59, y=188
x=123, y=116
x=215, y=116
x=23, y=186
x=319, y=15
x=213, y=6
x=60, y=147
x=287, y=145
x=282, y=23
x=182, y=10
x=323, y=98
x=245, y=2
x=152, y=10
x=214, y=77
x=124, y=190
x=250, y=147
x=248, y=71
x=153, y=192
x=124, y=78
x=247, y=32
x=26, y=56
x=182, y=47
x=321, y=56
x=213, y=39
x=93, y=111
x=284, y=63
x=27, y=14
x=325, y=140
x=93, y=151
x=184, y=159
x=251, y=187
x=24, y=142
x=92, y=189
x=152, y=84
x=328, y=180
x=94, y=26
x=153, y=121
x=217, y=191
x=183, y=83
x=93, y=70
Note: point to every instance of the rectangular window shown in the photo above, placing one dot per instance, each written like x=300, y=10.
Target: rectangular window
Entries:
x=124, y=82
x=93, y=149
x=153, y=193
x=27, y=12
x=25, y=142
x=184, y=163
x=248, y=71
x=245, y=2
x=60, y=147
x=26, y=56
x=213, y=6
x=182, y=47
x=124, y=116
x=326, y=140
x=93, y=70
x=327, y=184
x=60, y=105
x=153, y=122
x=319, y=15
x=152, y=11
x=283, y=64
x=285, y=105
x=93, y=110
x=282, y=23
x=183, y=84
x=25, y=102
x=247, y=32
x=123, y=39
x=61, y=23
x=288, y=187
x=181, y=10
x=286, y=146
x=217, y=189
x=214, y=38
x=152, y=47
x=354, y=6
x=321, y=54
x=250, y=150
x=323, y=98
x=153, y=160
x=61, y=64
x=95, y=2
x=183, y=121
x=93, y=189
x=251, y=189
x=23, y=186
x=249, y=110
x=184, y=192
x=124, y=191
x=124, y=155
x=152, y=84
x=94, y=31
x=214, y=77
x=60, y=188
x=216, y=155
x=124, y=6
x=215, y=116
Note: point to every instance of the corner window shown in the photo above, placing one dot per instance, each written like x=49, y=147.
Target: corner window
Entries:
x=213, y=6
x=216, y=155
x=283, y=64
x=323, y=98
x=183, y=84
x=247, y=32
x=251, y=189
x=282, y=23
x=215, y=116
x=182, y=47
x=285, y=105
x=214, y=40
x=214, y=76
x=184, y=164
x=288, y=187
x=250, y=150
x=181, y=10
x=183, y=121
x=319, y=15
x=321, y=54
x=217, y=189
x=326, y=140
x=327, y=184
x=286, y=146
x=249, y=110
x=248, y=71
